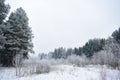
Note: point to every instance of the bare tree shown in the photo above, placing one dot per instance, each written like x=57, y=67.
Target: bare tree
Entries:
x=18, y=64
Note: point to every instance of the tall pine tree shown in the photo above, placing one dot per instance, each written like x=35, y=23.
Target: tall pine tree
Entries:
x=18, y=36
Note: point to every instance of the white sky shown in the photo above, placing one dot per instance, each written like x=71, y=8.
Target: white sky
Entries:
x=69, y=23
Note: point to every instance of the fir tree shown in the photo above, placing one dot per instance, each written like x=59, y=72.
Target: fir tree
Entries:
x=18, y=36
x=4, y=9
x=116, y=35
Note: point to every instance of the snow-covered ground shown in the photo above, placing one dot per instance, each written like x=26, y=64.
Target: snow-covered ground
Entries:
x=65, y=72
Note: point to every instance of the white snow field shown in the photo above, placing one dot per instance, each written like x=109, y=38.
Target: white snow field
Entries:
x=65, y=72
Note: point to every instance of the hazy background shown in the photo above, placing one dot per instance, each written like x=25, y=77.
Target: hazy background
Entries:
x=69, y=23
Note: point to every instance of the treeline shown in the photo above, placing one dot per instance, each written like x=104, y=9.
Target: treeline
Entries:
x=97, y=51
x=15, y=35
x=91, y=47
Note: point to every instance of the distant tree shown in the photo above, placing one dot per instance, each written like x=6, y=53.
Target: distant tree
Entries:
x=69, y=52
x=116, y=35
x=78, y=51
x=43, y=56
x=50, y=55
x=18, y=36
x=59, y=53
x=93, y=46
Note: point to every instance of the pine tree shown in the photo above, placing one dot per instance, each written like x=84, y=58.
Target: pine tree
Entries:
x=93, y=46
x=116, y=35
x=4, y=9
x=19, y=36
x=59, y=53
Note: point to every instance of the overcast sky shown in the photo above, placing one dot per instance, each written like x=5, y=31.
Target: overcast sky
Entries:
x=69, y=23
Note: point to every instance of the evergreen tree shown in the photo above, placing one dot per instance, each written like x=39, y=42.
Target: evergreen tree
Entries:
x=4, y=9
x=78, y=51
x=69, y=52
x=116, y=35
x=59, y=53
x=18, y=36
x=93, y=46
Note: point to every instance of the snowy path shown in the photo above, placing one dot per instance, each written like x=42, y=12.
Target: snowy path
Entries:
x=61, y=72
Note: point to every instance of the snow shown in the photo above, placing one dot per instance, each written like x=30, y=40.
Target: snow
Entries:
x=63, y=72
x=7, y=73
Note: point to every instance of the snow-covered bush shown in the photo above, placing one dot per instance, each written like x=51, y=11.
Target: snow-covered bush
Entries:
x=43, y=67
x=56, y=61
x=110, y=55
x=35, y=66
x=103, y=58
x=60, y=61
x=77, y=60
x=53, y=62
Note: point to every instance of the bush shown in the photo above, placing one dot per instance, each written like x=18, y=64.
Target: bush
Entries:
x=77, y=60
x=34, y=66
x=42, y=67
x=103, y=58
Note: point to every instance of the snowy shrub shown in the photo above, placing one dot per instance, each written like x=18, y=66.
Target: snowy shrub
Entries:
x=53, y=61
x=77, y=60
x=56, y=61
x=112, y=46
x=35, y=66
x=42, y=67
x=60, y=61
x=110, y=55
x=103, y=58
